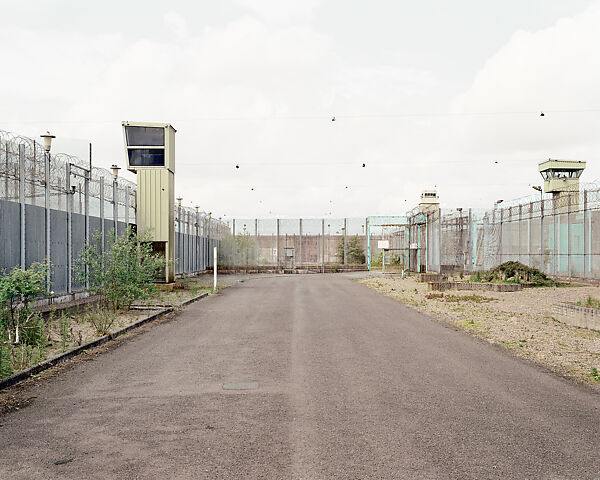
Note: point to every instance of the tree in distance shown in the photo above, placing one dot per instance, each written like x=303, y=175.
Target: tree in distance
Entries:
x=355, y=252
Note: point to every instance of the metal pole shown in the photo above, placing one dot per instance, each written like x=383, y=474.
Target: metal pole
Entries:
x=69, y=231
x=520, y=219
x=530, y=237
x=127, y=206
x=115, y=208
x=215, y=269
x=88, y=178
x=569, y=263
x=21, y=199
x=556, y=249
x=542, y=266
x=368, y=232
x=102, y=213
x=501, y=218
x=585, y=234
x=256, y=241
x=323, y=245
x=345, y=242
x=278, y=245
x=427, y=240
x=233, y=246
x=47, y=207
x=179, y=265
x=301, y=260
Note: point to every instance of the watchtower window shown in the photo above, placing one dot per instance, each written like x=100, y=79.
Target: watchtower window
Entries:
x=145, y=136
x=146, y=157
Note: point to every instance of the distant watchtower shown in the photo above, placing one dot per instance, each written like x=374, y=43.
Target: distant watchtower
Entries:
x=561, y=179
x=430, y=202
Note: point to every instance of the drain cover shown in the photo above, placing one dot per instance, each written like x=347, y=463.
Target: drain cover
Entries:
x=240, y=386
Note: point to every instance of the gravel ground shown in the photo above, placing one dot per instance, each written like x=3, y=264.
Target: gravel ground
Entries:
x=520, y=322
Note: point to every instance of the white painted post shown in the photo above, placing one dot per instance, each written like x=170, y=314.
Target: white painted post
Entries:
x=215, y=269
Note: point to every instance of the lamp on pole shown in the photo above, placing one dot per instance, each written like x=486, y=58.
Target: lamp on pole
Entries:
x=47, y=146
x=115, y=171
x=539, y=189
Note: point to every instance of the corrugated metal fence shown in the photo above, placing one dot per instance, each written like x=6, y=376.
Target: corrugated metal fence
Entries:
x=52, y=205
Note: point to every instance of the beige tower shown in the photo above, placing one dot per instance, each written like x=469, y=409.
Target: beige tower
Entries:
x=430, y=201
x=151, y=155
x=561, y=178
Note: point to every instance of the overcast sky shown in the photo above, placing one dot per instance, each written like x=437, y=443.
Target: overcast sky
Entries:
x=425, y=94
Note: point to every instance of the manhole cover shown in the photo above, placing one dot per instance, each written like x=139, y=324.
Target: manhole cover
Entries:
x=240, y=386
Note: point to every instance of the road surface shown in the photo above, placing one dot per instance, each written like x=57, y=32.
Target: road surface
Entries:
x=324, y=379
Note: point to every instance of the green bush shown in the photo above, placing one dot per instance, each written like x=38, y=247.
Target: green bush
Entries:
x=516, y=272
x=123, y=273
x=355, y=253
x=17, y=289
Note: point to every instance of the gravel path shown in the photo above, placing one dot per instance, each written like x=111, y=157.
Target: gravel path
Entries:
x=521, y=321
x=351, y=385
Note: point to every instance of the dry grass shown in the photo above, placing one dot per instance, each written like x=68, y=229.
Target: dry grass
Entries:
x=520, y=322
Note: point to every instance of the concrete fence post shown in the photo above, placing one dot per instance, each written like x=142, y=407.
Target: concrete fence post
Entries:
x=21, y=200
x=102, y=230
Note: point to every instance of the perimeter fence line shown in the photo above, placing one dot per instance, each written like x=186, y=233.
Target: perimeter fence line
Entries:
x=53, y=205
x=559, y=236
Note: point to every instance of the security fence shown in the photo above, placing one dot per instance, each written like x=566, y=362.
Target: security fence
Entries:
x=300, y=243
x=52, y=205
x=558, y=235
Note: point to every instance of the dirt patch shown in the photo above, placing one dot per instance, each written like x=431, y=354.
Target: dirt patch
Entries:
x=520, y=322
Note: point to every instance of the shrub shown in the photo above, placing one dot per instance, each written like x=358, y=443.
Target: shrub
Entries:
x=17, y=289
x=516, y=272
x=355, y=253
x=123, y=273
x=101, y=319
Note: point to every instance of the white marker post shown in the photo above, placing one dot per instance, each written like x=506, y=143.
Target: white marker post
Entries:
x=215, y=268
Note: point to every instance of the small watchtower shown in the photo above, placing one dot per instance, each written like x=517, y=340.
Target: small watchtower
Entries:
x=561, y=179
x=430, y=202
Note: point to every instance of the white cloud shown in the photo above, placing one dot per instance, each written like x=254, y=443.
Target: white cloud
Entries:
x=555, y=70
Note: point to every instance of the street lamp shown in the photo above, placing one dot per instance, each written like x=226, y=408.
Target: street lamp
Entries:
x=47, y=141
x=115, y=171
x=539, y=189
x=47, y=145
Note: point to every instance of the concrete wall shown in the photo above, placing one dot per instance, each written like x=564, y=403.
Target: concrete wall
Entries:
x=577, y=316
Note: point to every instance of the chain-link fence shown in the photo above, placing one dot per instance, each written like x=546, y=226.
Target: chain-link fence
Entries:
x=315, y=244
x=558, y=235
x=52, y=205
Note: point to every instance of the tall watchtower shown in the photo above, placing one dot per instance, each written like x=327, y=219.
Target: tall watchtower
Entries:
x=561, y=178
x=151, y=155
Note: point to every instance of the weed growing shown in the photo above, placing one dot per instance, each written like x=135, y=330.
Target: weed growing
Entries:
x=101, y=319
x=590, y=302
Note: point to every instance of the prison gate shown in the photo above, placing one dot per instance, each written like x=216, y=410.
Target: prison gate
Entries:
x=51, y=209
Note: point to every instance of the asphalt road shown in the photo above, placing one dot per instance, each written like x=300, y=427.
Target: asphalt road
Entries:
x=351, y=385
